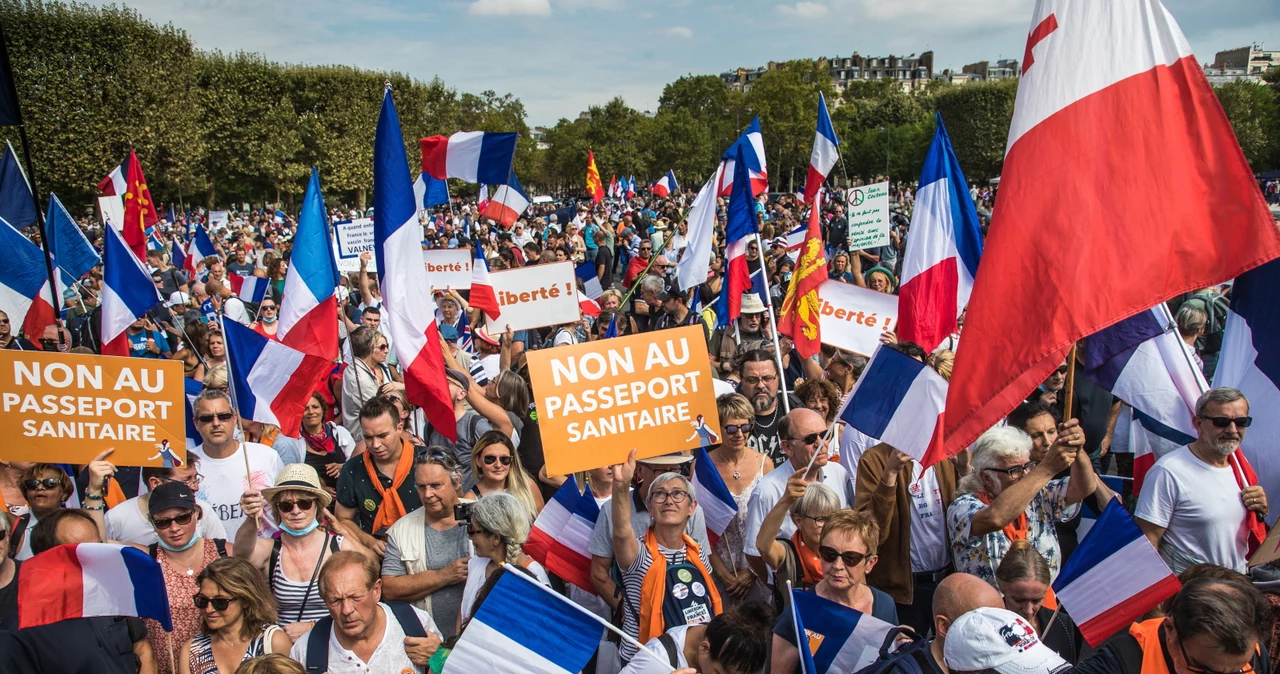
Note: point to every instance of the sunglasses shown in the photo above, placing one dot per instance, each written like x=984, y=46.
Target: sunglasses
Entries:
x=267, y=307
x=849, y=557
x=493, y=458
x=810, y=439
x=221, y=416
x=1061, y=370
x=165, y=522
x=382, y=347
x=1224, y=422
x=49, y=483
x=1016, y=471
x=219, y=603
x=731, y=429
x=303, y=504
x=1195, y=667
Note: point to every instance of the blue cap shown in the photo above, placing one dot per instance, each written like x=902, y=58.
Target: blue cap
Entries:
x=449, y=332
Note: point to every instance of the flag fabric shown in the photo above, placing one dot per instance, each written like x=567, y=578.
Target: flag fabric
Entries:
x=139, y=209
x=24, y=284
x=191, y=390
x=740, y=229
x=594, y=186
x=795, y=238
x=308, y=305
x=72, y=254
x=718, y=504
x=252, y=289
x=403, y=278
x=473, y=156
x=694, y=266
x=588, y=306
x=941, y=259
x=16, y=205
x=612, y=331
x=482, y=201
x=899, y=400
x=801, y=306
x=825, y=154
x=1114, y=577
x=837, y=638
x=523, y=627
x=178, y=257
x=631, y=187
x=586, y=272
x=507, y=204
x=429, y=191
x=84, y=580
x=666, y=185
x=272, y=382
x=1143, y=361
x=198, y=249
x=751, y=144
x=114, y=184
x=561, y=534
x=482, y=295
x=127, y=292
x=1109, y=89
x=613, y=187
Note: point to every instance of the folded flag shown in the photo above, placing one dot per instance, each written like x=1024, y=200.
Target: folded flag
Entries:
x=524, y=627
x=795, y=238
x=741, y=229
x=718, y=504
x=85, y=580
x=694, y=266
x=751, y=143
x=127, y=293
x=507, y=204
x=836, y=638
x=1114, y=577
x=114, y=183
x=631, y=187
x=177, y=256
x=594, y=186
x=473, y=156
x=139, y=209
x=586, y=272
x=899, y=400
x=429, y=191
x=248, y=288
x=24, y=284
x=272, y=382
x=801, y=306
x=666, y=185
x=482, y=295
x=612, y=330
x=16, y=205
x=588, y=306
x=308, y=304
x=482, y=201
x=562, y=532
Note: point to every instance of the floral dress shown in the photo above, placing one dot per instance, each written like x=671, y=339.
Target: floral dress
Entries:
x=980, y=555
x=187, y=619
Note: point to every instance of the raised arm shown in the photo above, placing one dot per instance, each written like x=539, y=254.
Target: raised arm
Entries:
x=625, y=544
x=772, y=551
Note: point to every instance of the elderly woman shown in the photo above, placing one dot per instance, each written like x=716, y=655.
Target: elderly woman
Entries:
x=741, y=469
x=360, y=381
x=45, y=487
x=239, y=620
x=291, y=563
x=498, y=528
x=795, y=559
x=496, y=467
x=846, y=551
x=1023, y=579
x=611, y=300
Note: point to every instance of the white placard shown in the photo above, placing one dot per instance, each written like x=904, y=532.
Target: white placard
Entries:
x=535, y=297
x=868, y=212
x=219, y=218
x=448, y=268
x=852, y=317
x=112, y=209
x=352, y=237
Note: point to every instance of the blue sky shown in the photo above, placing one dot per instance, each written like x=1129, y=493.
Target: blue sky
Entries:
x=560, y=56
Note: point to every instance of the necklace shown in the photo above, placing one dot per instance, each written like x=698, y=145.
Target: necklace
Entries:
x=737, y=474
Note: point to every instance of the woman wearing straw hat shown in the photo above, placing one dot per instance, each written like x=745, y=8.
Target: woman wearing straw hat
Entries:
x=292, y=562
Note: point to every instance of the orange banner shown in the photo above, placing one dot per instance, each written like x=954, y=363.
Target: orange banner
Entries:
x=66, y=408
x=599, y=400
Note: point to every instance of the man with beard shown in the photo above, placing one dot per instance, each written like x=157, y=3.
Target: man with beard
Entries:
x=1192, y=505
x=758, y=374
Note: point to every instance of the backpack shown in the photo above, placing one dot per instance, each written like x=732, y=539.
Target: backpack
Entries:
x=911, y=658
x=317, y=660
x=1215, y=305
x=669, y=645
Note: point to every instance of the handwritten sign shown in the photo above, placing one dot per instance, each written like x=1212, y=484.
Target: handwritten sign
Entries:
x=448, y=268
x=868, y=216
x=535, y=297
x=66, y=408
x=852, y=317
x=599, y=400
x=352, y=237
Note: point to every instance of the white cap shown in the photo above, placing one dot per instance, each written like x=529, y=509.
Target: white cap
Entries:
x=993, y=638
x=178, y=298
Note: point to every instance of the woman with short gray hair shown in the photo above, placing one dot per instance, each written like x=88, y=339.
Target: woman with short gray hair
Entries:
x=795, y=559
x=498, y=525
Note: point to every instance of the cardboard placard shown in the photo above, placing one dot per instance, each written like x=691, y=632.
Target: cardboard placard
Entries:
x=868, y=216
x=535, y=297
x=852, y=317
x=352, y=237
x=597, y=401
x=448, y=268
x=67, y=407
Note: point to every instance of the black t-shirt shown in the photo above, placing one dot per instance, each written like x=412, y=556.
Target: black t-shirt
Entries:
x=101, y=645
x=764, y=435
x=9, y=595
x=604, y=256
x=357, y=492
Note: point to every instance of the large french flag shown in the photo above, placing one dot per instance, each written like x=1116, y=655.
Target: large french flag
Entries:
x=562, y=532
x=127, y=292
x=24, y=284
x=308, y=307
x=834, y=638
x=740, y=229
x=751, y=145
x=665, y=185
x=473, y=156
x=1114, y=577
x=586, y=272
x=507, y=204
x=85, y=580
x=899, y=400
x=943, y=251
x=718, y=505
x=249, y=288
x=482, y=296
x=825, y=152
x=198, y=249
x=272, y=382
x=1110, y=94
x=405, y=290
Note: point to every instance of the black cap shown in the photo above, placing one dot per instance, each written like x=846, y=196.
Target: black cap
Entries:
x=171, y=495
x=673, y=293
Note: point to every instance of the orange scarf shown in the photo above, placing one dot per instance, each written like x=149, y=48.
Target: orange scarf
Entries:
x=653, y=591
x=115, y=495
x=1015, y=530
x=810, y=565
x=392, y=508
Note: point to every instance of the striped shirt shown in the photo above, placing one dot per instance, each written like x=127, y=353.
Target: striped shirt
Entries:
x=633, y=581
x=292, y=595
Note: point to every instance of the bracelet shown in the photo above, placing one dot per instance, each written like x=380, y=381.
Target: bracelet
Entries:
x=93, y=497
x=97, y=507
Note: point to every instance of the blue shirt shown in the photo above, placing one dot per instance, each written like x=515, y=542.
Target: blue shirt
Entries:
x=138, y=344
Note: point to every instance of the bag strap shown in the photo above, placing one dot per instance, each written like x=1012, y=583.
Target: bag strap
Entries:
x=318, y=646
x=408, y=619
x=669, y=645
x=19, y=528
x=272, y=563
x=221, y=545
x=889, y=639
x=315, y=573
x=154, y=550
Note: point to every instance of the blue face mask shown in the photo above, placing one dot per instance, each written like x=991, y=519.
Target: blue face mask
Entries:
x=171, y=548
x=300, y=532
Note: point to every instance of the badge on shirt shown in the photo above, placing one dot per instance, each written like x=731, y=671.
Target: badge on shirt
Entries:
x=370, y=505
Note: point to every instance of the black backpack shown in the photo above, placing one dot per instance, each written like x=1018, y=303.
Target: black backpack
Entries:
x=911, y=658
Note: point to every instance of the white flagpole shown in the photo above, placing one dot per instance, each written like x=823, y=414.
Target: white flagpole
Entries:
x=773, y=322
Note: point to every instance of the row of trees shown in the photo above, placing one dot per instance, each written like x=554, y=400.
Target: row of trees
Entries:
x=1254, y=112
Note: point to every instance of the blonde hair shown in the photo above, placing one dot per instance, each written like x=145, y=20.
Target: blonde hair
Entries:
x=516, y=482
x=1023, y=562
x=216, y=377
x=942, y=362
x=272, y=663
x=734, y=406
x=859, y=523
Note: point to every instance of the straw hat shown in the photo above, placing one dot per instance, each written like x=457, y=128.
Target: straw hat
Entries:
x=751, y=304
x=299, y=477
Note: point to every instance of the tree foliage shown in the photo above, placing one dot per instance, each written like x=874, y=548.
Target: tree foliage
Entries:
x=1255, y=117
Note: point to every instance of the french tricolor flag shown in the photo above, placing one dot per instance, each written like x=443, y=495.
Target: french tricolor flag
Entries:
x=309, y=305
x=191, y=390
x=665, y=185
x=1114, y=577
x=631, y=187
x=199, y=249
x=24, y=283
x=718, y=505
x=86, y=580
x=114, y=184
x=482, y=200
x=559, y=537
x=177, y=256
x=751, y=144
x=482, y=296
x=272, y=382
x=942, y=253
x=833, y=637
x=588, y=306
x=740, y=229
x=825, y=152
x=586, y=272
x=899, y=400
x=248, y=288
x=507, y=204
x=127, y=292
x=473, y=156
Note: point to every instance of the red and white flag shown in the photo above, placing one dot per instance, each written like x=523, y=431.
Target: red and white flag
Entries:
x=562, y=532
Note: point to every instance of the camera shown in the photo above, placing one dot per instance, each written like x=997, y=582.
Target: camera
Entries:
x=462, y=511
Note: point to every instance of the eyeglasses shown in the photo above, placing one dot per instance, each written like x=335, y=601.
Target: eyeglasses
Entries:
x=494, y=458
x=849, y=557
x=1016, y=471
x=219, y=603
x=677, y=496
x=1195, y=667
x=4, y=321
x=1225, y=422
x=220, y=416
x=645, y=250
x=48, y=484
x=756, y=381
x=193, y=481
x=303, y=504
x=810, y=439
x=820, y=519
x=731, y=429
x=165, y=522
x=1061, y=370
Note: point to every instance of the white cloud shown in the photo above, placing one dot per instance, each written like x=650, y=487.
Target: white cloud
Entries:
x=510, y=8
x=678, y=31
x=804, y=10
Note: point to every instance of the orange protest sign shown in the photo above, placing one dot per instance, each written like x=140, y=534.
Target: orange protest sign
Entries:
x=599, y=400
x=66, y=408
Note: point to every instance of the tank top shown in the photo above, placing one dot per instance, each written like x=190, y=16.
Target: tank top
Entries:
x=201, y=660
x=293, y=598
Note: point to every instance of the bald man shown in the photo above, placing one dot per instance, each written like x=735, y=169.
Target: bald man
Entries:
x=956, y=595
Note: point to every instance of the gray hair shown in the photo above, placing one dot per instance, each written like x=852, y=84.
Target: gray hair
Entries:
x=669, y=477
x=818, y=500
x=1191, y=319
x=436, y=455
x=653, y=283
x=504, y=516
x=1001, y=442
x=1221, y=395
x=210, y=394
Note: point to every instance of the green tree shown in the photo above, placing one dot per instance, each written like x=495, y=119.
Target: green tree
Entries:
x=977, y=117
x=786, y=99
x=1253, y=112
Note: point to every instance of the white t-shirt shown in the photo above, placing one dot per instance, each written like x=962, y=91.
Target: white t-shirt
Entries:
x=678, y=635
x=853, y=444
x=233, y=309
x=476, y=579
x=1200, y=508
x=389, y=656
x=225, y=482
x=770, y=489
x=128, y=524
x=929, y=548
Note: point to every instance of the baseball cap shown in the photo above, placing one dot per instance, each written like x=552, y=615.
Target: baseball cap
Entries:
x=999, y=640
x=673, y=293
x=459, y=378
x=449, y=332
x=171, y=495
x=178, y=298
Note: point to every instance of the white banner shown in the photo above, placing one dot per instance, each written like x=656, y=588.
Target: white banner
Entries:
x=219, y=218
x=352, y=237
x=448, y=268
x=853, y=317
x=868, y=213
x=112, y=209
x=535, y=297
